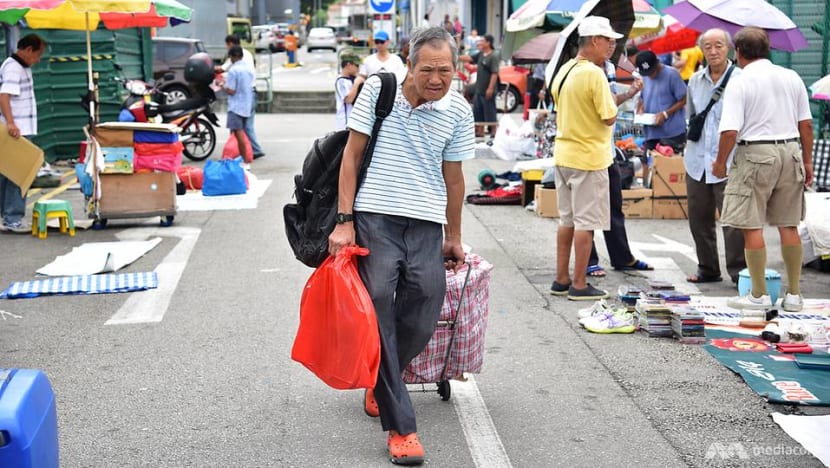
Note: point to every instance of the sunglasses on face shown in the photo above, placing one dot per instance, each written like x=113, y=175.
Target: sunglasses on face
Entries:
x=380, y=41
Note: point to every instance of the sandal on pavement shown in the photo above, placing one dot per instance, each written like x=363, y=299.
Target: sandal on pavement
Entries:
x=638, y=265
x=370, y=405
x=405, y=449
x=702, y=278
x=595, y=271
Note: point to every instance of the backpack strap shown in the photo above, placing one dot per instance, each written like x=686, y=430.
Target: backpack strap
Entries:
x=383, y=107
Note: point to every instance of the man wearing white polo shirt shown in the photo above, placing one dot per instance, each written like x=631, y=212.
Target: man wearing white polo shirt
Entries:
x=408, y=214
x=766, y=111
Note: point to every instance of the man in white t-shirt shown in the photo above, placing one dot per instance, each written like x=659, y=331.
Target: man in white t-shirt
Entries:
x=767, y=112
x=248, y=59
x=18, y=111
x=382, y=60
x=345, y=91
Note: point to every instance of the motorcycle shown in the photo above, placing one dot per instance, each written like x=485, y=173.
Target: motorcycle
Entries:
x=146, y=103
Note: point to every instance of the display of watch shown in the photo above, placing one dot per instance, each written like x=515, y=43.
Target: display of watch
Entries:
x=343, y=218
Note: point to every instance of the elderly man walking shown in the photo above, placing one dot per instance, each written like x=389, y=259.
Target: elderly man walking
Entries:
x=423, y=141
x=704, y=189
x=585, y=115
x=767, y=112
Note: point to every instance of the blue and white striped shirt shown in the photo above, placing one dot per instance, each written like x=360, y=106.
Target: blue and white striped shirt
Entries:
x=405, y=176
x=700, y=155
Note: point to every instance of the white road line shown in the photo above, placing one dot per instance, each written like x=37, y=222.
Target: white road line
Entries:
x=665, y=268
x=482, y=439
x=151, y=305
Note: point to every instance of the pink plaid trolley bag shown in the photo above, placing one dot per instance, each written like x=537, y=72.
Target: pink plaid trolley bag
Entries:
x=457, y=346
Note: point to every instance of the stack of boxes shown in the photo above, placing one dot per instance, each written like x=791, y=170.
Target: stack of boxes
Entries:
x=665, y=200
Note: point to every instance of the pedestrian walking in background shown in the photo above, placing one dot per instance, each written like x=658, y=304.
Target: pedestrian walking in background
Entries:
x=664, y=95
x=18, y=111
x=230, y=41
x=382, y=60
x=471, y=43
x=488, y=63
x=687, y=61
x=616, y=238
x=705, y=190
x=423, y=142
x=403, y=54
x=585, y=117
x=767, y=112
x=238, y=86
x=344, y=90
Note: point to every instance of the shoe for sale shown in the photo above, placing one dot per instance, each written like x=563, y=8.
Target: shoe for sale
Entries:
x=405, y=449
x=611, y=323
x=370, y=405
x=792, y=302
x=588, y=293
x=750, y=302
x=598, y=307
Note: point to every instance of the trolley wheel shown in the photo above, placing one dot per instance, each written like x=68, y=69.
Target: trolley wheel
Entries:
x=444, y=390
x=166, y=221
x=99, y=224
x=487, y=179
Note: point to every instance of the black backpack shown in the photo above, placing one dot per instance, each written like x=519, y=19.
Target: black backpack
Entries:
x=310, y=221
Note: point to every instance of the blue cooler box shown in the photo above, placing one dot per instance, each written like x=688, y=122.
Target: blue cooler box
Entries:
x=28, y=420
x=772, y=277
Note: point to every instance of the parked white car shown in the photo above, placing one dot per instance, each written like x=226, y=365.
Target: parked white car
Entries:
x=321, y=38
x=268, y=39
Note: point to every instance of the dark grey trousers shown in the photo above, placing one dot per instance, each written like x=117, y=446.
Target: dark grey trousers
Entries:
x=703, y=200
x=404, y=274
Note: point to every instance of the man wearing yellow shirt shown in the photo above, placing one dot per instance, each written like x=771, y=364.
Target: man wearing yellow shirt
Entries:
x=686, y=62
x=585, y=117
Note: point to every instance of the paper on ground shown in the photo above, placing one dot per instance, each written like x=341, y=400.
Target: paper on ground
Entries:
x=98, y=257
x=195, y=201
x=809, y=431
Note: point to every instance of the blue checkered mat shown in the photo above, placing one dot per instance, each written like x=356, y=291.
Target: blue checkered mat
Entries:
x=84, y=284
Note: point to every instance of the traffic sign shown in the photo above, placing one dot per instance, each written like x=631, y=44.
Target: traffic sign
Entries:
x=381, y=6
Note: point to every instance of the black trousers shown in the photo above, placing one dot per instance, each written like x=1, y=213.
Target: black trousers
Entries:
x=704, y=199
x=404, y=274
x=616, y=239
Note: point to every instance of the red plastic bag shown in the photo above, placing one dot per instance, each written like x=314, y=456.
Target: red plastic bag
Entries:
x=231, y=149
x=191, y=176
x=338, y=338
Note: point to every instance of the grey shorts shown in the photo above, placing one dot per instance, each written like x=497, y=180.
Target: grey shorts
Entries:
x=583, y=198
x=766, y=184
x=236, y=121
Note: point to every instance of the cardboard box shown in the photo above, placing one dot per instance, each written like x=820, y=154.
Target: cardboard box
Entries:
x=117, y=160
x=137, y=195
x=20, y=160
x=547, y=203
x=671, y=208
x=668, y=176
x=637, y=203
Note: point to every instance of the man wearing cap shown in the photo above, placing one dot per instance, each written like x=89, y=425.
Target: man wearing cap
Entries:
x=767, y=112
x=664, y=95
x=382, y=60
x=585, y=115
x=345, y=91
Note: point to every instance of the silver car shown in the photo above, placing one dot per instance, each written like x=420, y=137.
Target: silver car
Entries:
x=321, y=38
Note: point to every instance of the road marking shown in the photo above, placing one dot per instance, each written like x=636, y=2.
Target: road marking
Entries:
x=151, y=305
x=319, y=70
x=3, y=314
x=665, y=268
x=57, y=191
x=482, y=439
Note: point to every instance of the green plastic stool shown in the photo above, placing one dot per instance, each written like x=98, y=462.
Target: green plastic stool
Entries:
x=45, y=209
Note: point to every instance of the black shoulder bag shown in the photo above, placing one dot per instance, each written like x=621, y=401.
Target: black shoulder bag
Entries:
x=696, y=121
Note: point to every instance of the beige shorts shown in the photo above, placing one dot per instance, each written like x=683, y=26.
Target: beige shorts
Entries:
x=583, y=198
x=766, y=184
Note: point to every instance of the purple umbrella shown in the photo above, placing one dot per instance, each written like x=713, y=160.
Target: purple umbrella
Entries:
x=732, y=15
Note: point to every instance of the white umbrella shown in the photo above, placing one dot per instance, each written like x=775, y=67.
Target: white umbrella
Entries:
x=821, y=89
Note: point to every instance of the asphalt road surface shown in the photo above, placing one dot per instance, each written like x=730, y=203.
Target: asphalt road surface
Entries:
x=202, y=377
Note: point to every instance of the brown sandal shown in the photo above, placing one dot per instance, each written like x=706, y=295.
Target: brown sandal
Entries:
x=405, y=449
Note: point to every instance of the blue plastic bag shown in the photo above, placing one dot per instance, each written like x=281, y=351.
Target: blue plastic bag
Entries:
x=84, y=179
x=224, y=177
